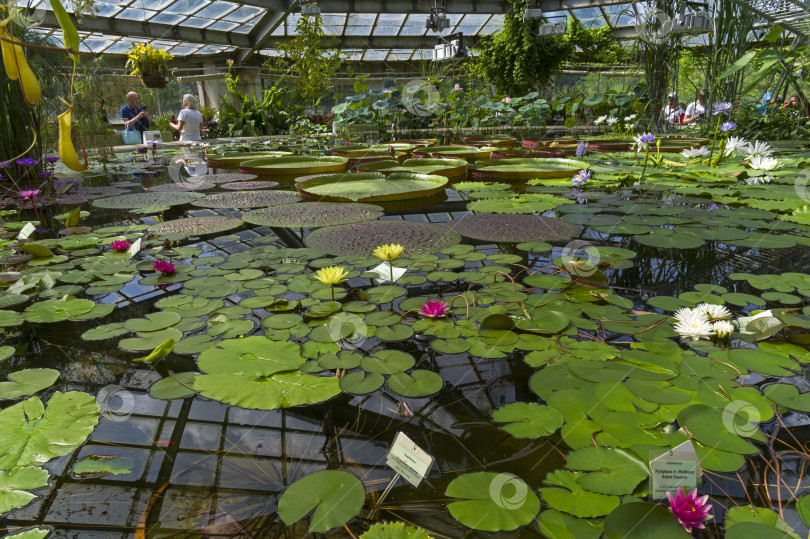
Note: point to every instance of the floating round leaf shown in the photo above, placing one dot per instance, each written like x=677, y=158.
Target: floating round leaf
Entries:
x=228, y=178
x=643, y=520
x=360, y=383
x=254, y=355
x=233, y=158
x=528, y=169
x=370, y=186
x=613, y=471
x=449, y=168
x=335, y=495
x=174, y=386
x=513, y=228
x=103, y=465
x=395, y=530
x=492, y=502
x=56, y=310
x=294, y=164
x=195, y=226
x=15, y=484
x=280, y=390
x=34, y=435
x=186, y=186
x=27, y=382
x=419, y=383
x=313, y=214
x=248, y=186
x=471, y=154
x=362, y=238
x=528, y=419
x=146, y=200
x=247, y=199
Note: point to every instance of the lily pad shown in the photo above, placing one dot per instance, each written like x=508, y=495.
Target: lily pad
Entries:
x=528, y=419
x=174, y=386
x=613, y=471
x=56, y=310
x=313, y=214
x=34, y=435
x=27, y=382
x=360, y=383
x=15, y=484
x=280, y=390
x=361, y=239
x=513, y=228
x=294, y=165
x=255, y=355
x=104, y=465
x=643, y=520
x=419, y=383
x=336, y=497
x=146, y=200
x=246, y=199
x=370, y=186
x=195, y=226
x=492, y=502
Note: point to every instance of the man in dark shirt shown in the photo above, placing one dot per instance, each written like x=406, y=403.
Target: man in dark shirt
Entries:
x=133, y=111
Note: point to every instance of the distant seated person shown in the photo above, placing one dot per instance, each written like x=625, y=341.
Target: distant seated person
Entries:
x=765, y=101
x=793, y=102
x=135, y=114
x=189, y=120
x=673, y=111
x=696, y=110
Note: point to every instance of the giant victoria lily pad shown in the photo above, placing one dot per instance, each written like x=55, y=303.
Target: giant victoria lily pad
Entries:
x=529, y=169
x=370, y=186
x=247, y=199
x=449, y=168
x=313, y=214
x=195, y=226
x=513, y=228
x=471, y=154
x=232, y=159
x=146, y=200
x=361, y=239
x=294, y=164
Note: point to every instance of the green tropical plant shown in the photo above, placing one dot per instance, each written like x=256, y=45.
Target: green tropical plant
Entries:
x=146, y=60
x=255, y=115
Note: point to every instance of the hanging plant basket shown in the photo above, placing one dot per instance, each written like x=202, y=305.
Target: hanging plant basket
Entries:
x=154, y=81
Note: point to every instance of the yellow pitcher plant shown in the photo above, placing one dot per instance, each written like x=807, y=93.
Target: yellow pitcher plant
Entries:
x=17, y=67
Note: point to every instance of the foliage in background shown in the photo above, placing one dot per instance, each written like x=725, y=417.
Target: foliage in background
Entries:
x=595, y=45
x=305, y=65
x=517, y=60
x=729, y=41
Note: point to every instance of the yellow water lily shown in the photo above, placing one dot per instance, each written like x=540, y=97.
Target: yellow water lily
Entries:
x=17, y=67
x=67, y=152
x=389, y=252
x=331, y=275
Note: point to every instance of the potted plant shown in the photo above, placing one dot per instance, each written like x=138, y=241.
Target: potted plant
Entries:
x=150, y=63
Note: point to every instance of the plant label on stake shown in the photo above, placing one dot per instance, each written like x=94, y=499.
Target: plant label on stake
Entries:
x=26, y=231
x=409, y=460
x=383, y=272
x=676, y=468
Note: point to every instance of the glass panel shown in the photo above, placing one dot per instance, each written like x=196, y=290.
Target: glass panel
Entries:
x=494, y=24
x=196, y=22
x=375, y=54
x=136, y=14
x=620, y=15
x=106, y=10
x=243, y=14
x=359, y=24
x=395, y=55
x=187, y=7
x=182, y=51
x=167, y=18
x=156, y=5
x=248, y=26
x=118, y=48
x=216, y=9
x=333, y=23
x=414, y=25
x=422, y=54
x=95, y=45
x=225, y=26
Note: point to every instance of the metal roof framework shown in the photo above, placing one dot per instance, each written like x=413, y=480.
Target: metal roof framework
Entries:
x=388, y=30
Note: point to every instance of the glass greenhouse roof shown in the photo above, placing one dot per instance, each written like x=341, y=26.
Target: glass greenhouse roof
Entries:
x=186, y=27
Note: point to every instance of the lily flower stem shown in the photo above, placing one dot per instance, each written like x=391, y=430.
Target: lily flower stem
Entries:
x=391, y=269
x=714, y=140
x=646, y=158
x=333, y=292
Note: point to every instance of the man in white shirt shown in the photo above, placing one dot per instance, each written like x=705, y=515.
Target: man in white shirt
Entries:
x=696, y=110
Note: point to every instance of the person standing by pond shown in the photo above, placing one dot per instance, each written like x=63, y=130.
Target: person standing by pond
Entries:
x=189, y=120
x=135, y=114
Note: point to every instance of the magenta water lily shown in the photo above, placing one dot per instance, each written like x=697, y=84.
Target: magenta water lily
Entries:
x=123, y=245
x=30, y=194
x=161, y=266
x=690, y=510
x=434, y=309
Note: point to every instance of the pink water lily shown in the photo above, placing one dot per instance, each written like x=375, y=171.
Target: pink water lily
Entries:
x=690, y=510
x=122, y=245
x=434, y=309
x=164, y=267
x=30, y=194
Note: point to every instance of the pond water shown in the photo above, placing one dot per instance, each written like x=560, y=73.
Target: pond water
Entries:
x=197, y=466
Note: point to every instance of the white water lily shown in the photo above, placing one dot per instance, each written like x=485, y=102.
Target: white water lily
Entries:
x=612, y=121
x=764, y=163
x=763, y=314
x=683, y=314
x=630, y=118
x=761, y=149
x=766, y=178
x=713, y=312
x=736, y=145
x=695, y=328
x=723, y=329
x=600, y=120
x=693, y=152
